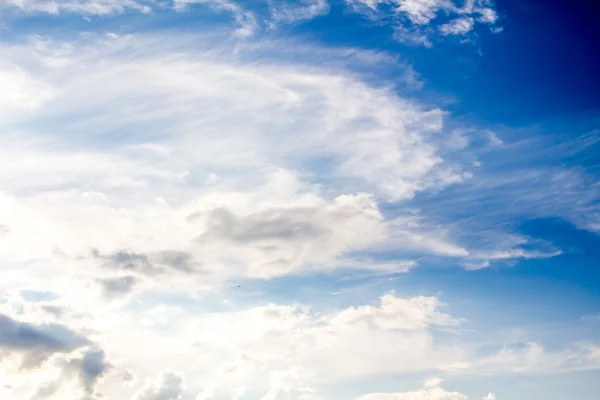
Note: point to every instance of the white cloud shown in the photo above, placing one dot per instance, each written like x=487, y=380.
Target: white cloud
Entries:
x=432, y=383
x=416, y=21
x=284, y=350
x=237, y=184
x=428, y=394
x=411, y=15
x=21, y=91
x=246, y=20
x=289, y=345
x=414, y=36
x=169, y=166
x=459, y=26
x=431, y=391
x=188, y=198
x=399, y=329
x=488, y=15
x=396, y=314
x=422, y=11
x=305, y=10
x=85, y=7
x=207, y=393
x=167, y=386
x=70, y=376
x=372, y=4
x=419, y=12
x=284, y=383
x=530, y=357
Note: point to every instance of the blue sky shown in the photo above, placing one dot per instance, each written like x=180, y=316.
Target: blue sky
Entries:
x=299, y=200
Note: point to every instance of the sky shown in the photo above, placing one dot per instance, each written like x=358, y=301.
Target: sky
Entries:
x=299, y=200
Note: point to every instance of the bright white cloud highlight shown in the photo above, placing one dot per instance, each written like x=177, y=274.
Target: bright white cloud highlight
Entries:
x=21, y=91
x=418, y=20
x=431, y=391
x=167, y=386
x=459, y=26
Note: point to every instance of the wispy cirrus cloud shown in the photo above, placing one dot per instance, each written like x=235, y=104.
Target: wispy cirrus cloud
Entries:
x=306, y=10
x=286, y=205
x=141, y=174
x=246, y=21
x=84, y=7
x=209, y=182
x=415, y=21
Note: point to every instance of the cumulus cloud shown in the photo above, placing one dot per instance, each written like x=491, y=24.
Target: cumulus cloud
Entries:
x=488, y=15
x=287, y=382
x=396, y=314
x=90, y=368
x=399, y=329
x=207, y=393
x=74, y=376
x=166, y=386
x=431, y=391
x=284, y=383
x=62, y=359
x=295, y=349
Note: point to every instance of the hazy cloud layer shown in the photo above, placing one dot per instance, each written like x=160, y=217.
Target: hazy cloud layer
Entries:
x=151, y=180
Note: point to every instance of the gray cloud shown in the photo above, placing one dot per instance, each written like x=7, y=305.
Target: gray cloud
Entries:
x=146, y=264
x=178, y=260
x=52, y=309
x=128, y=376
x=87, y=369
x=127, y=260
x=118, y=286
x=91, y=367
x=281, y=224
x=37, y=342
